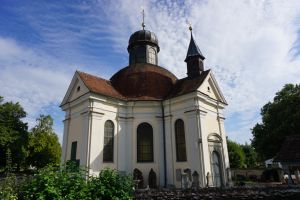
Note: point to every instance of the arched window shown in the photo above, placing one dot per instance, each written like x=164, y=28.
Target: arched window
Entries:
x=144, y=143
x=151, y=56
x=108, y=150
x=141, y=54
x=180, y=140
x=216, y=169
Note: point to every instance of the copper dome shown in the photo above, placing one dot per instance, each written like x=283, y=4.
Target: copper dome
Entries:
x=144, y=82
x=143, y=36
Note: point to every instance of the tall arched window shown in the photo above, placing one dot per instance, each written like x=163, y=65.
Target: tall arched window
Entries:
x=216, y=169
x=151, y=56
x=108, y=150
x=144, y=143
x=180, y=140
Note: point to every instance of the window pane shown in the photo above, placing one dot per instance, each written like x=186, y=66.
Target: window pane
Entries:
x=151, y=56
x=73, y=151
x=144, y=143
x=180, y=140
x=108, y=150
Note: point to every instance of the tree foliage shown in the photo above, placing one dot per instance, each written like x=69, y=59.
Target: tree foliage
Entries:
x=44, y=147
x=280, y=118
x=250, y=156
x=13, y=133
x=38, y=147
x=236, y=154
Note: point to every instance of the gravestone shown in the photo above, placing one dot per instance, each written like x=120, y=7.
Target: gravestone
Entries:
x=184, y=181
x=178, y=174
x=189, y=173
x=138, y=178
x=207, y=179
x=195, y=181
x=152, y=179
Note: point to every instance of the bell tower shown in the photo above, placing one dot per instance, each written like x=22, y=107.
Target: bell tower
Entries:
x=194, y=58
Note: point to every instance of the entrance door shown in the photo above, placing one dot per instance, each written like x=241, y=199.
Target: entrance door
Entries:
x=216, y=167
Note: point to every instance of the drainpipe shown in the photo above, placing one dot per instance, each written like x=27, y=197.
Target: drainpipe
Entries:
x=164, y=141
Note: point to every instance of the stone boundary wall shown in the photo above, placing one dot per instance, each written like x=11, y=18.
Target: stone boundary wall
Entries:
x=274, y=193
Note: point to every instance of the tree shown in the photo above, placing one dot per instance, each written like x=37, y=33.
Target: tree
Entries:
x=280, y=119
x=13, y=134
x=44, y=147
x=250, y=155
x=236, y=154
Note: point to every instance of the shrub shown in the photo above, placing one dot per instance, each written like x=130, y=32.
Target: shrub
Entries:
x=70, y=182
x=8, y=188
x=111, y=185
x=54, y=182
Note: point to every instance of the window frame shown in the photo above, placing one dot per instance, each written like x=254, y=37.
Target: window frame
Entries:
x=141, y=149
x=151, y=51
x=108, y=146
x=180, y=145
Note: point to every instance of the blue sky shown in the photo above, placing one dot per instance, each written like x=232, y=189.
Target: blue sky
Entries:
x=252, y=48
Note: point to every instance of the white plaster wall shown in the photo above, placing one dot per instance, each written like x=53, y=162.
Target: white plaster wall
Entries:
x=74, y=131
x=199, y=116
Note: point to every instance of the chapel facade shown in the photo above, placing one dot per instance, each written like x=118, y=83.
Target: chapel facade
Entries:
x=147, y=122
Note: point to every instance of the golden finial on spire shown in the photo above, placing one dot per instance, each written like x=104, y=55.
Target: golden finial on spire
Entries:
x=190, y=26
x=143, y=22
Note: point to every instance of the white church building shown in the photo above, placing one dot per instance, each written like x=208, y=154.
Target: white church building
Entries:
x=146, y=119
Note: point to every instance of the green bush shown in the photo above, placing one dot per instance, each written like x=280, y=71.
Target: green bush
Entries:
x=69, y=182
x=8, y=188
x=111, y=185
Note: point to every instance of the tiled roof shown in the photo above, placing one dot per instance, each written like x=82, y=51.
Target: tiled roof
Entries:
x=187, y=85
x=290, y=150
x=147, y=82
x=99, y=85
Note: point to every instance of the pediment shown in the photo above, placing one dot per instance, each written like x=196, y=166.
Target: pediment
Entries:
x=76, y=89
x=210, y=88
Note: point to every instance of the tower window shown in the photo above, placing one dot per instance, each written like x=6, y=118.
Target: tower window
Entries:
x=141, y=54
x=144, y=143
x=78, y=88
x=151, y=56
x=108, y=150
x=180, y=141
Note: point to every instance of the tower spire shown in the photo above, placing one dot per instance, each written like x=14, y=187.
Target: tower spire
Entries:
x=194, y=58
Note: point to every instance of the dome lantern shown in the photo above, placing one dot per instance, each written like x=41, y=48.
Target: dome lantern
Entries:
x=143, y=47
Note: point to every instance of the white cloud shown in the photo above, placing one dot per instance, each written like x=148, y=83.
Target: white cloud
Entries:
x=31, y=78
x=248, y=45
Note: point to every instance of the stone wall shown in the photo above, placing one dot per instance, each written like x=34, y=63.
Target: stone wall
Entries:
x=274, y=193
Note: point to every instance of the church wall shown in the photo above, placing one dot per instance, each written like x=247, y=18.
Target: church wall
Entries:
x=101, y=112
x=74, y=131
x=182, y=108
x=214, y=124
x=126, y=118
x=149, y=113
